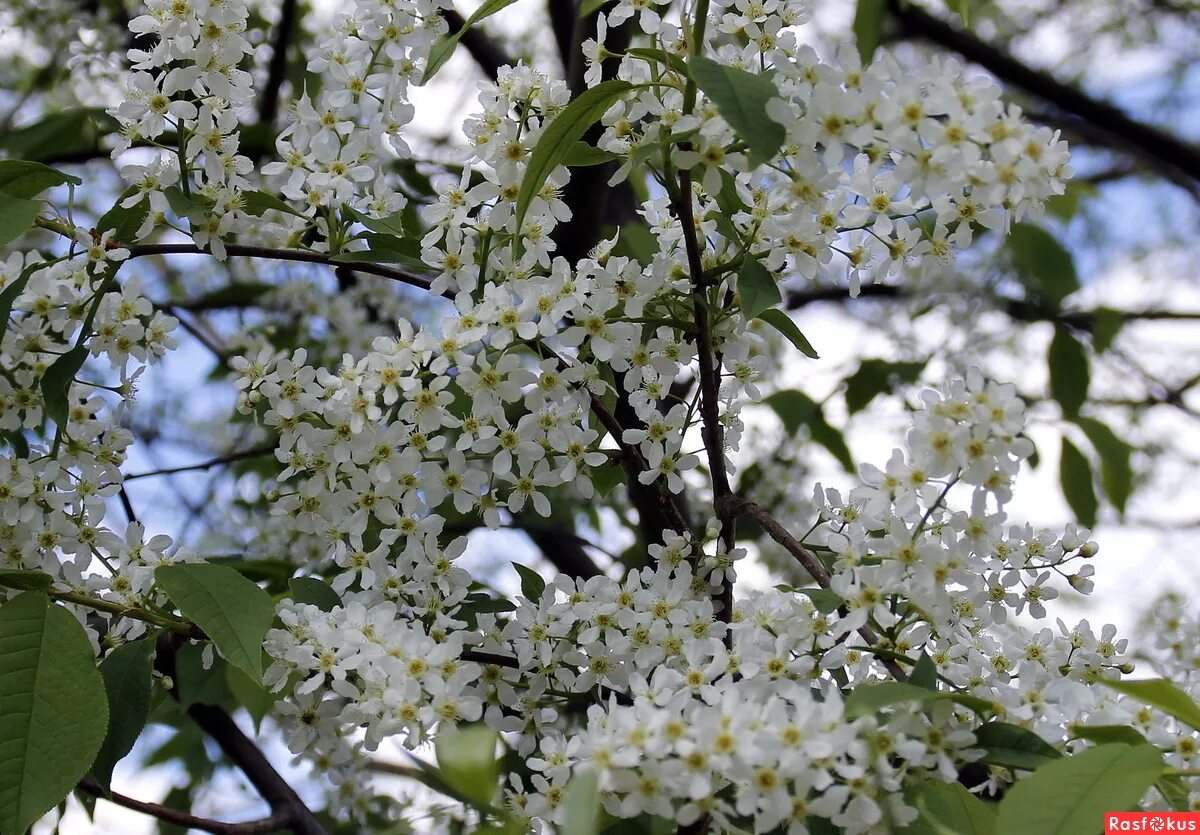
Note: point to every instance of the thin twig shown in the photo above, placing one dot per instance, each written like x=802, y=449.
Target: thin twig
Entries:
x=273, y=823
x=228, y=458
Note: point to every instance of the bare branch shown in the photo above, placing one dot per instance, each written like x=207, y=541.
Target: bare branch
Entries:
x=273, y=823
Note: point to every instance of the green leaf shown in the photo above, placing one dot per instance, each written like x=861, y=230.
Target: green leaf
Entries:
x=251, y=695
x=556, y=141
x=58, y=135
x=16, y=217
x=875, y=377
x=924, y=673
x=16, y=578
x=466, y=756
x=8, y=296
x=532, y=584
x=1104, y=734
x=234, y=612
x=1075, y=475
x=1069, y=371
x=258, y=202
x=868, y=27
x=949, y=809
x=196, y=683
x=128, y=672
x=661, y=56
x=393, y=224
x=783, y=323
x=825, y=600
x=232, y=295
x=1175, y=791
x=583, y=155
x=56, y=384
x=1159, y=693
x=963, y=8
x=1045, y=268
x=53, y=711
x=1070, y=795
x=1011, y=746
x=23, y=178
x=385, y=249
x=315, y=591
x=757, y=288
x=589, y=7
x=741, y=98
x=1106, y=324
x=444, y=46
x=866, y=699
x=123, y=222
x=583, y=804
x=1116, y=472
x=796, y=409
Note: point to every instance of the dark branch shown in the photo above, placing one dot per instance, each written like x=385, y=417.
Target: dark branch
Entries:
x=268, y=103
x=486, y=52
x=253, y=452
x=274, y=823
x=301, y=255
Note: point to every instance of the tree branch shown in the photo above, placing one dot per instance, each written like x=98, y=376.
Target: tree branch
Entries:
x=487, y=53
x=228, y=458
x=274, y=823
x=737, y=506
x=299, y=255
x=268, y=104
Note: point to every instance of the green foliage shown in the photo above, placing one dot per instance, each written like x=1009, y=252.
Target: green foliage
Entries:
x=796, y=409
x=949, y=809
x=583, y=804
x=780, y=321
x=1106, y=324
x=532, y=584
x=878, y=376
x=1069, y=371
x=1068, y=796
x=741, y=98
x=64, y=134
x=1043, y=265
x=1162, y=694
x=17, y=216
x=466, y=756
x=869, y=16
x=560, y=136
x=234, y=612
x=315, y=591
x=583, y=155
x=56, y=383
x=123, y=222
x=1116, y=471
x=128, y=677
x=26, y=179
x=1011, y=746
x=53, y=709
x=444, y=46
x=1075, y=475
x=258, y=202
x=757, y=288
x=868, y=698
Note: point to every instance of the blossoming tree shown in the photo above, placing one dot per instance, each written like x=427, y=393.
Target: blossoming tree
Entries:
x=545, y=366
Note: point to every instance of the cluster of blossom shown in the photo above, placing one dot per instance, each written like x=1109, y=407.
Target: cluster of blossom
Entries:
x=882, y=166
x=184, y=95
x=650, y=646
x=335, y=149
x=52, y=498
